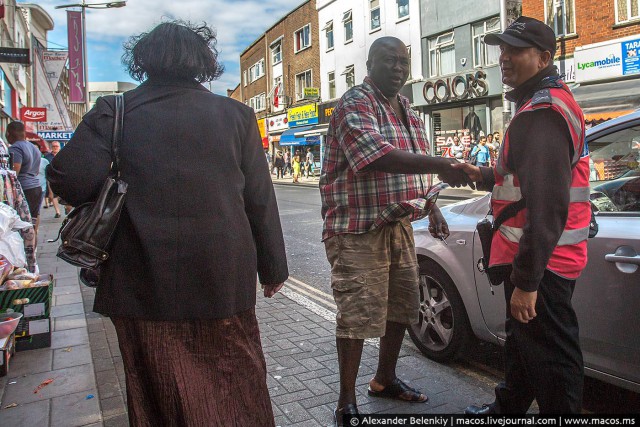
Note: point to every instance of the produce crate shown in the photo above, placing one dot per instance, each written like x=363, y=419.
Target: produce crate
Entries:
x=35, y=340
x=31, y=302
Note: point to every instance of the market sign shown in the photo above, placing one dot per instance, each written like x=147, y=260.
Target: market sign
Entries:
x=311, y=93
x=304, y=115
x=450, y=89
x=611, y=59
x=55, y=136
x=33, y=114
x=15, y=55
x=278, y=123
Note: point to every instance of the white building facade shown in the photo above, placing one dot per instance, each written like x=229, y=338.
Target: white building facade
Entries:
x=347, y=30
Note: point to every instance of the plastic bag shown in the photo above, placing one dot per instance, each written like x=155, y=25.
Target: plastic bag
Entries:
x=11, y=243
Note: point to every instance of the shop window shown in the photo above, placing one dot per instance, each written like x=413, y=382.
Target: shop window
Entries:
x=303, y=80
x=258, y=102
x=328, y=31
x=256, y=71
x=350, y=76
x=332, y=85
x=467, y=123
x=560, y=15
x=483, y=54
x=403, y=8
x=347, y=20
x=276, y=53
x=627, y=10
x=442, y=55
x=374, y=8
x=302, y=38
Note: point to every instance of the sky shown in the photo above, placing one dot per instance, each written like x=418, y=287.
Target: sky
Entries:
x=237, y=22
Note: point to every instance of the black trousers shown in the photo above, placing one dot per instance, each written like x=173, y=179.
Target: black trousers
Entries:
x=543, y=357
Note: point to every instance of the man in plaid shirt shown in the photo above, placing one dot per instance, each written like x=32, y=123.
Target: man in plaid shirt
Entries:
x=373, y=185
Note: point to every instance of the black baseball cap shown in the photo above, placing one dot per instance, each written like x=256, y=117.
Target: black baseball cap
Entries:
x=526, y=32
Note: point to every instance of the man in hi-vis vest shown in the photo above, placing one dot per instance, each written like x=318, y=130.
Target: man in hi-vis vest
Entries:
x=542, y=249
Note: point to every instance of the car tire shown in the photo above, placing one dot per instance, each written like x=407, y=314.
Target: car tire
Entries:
x=443, y=328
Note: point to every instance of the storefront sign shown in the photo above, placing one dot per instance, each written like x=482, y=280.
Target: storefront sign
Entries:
x=305, y=115
x=453, y=88
x=278, y=123
x=566, y=68
x=311, y=93
x=261, y=127
x=55, y=136
x=15, y=55
x=616, y=58
x=32, y=114
x=325, y=111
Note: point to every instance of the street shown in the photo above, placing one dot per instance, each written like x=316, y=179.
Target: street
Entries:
x=310, y=276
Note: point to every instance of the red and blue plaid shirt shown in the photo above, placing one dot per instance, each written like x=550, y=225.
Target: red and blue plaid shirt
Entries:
x=363, y=128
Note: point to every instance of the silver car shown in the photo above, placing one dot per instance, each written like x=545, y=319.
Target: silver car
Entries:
x=457, y=301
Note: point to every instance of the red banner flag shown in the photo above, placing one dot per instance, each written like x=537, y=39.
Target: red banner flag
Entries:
x=76, y=58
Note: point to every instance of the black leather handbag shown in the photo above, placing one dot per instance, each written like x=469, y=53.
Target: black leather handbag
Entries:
x=87, y=231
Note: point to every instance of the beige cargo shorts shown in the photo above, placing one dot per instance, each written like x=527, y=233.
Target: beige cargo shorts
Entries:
x=374, y=277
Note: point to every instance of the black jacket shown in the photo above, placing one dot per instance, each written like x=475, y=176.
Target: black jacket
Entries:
x=540, y=152
x=200, y=217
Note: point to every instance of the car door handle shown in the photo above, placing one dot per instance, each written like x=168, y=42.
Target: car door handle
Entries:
x=623, y=259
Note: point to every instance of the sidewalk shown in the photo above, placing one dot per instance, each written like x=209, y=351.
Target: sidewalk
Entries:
x=88, y=387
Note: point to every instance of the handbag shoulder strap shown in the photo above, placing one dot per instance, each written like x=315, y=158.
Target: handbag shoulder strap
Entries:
x=509, y=212
x=116, y=140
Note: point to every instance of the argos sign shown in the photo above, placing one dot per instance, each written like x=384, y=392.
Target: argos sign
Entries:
x=32, y=114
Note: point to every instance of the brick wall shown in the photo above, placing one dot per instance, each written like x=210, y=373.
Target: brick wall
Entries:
x=595, y=22
x=308, y=59
x=248, y=58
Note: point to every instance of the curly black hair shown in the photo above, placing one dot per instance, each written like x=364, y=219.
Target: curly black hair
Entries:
x=174, y=49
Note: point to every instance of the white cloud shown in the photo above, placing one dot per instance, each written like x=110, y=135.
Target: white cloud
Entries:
x=238, y=23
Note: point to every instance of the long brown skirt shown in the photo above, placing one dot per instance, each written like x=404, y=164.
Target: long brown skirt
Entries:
x=195, y=372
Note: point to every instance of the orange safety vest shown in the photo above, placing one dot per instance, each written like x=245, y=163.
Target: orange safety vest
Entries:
x=570, y=254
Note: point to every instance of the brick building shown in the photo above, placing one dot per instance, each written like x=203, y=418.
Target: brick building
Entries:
x=598, y=46
x=276, y=69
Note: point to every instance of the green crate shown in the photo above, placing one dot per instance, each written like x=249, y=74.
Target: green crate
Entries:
x=39, y=300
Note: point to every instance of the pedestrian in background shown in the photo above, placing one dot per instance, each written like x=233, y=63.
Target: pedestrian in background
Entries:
x=481, y=153
x=308, y=164
x=372, y=185
x=279, y=164
x=287, y=162
x=52, y=198
x=295, y=165
x=457, y=148
x=195, y=231
x=542, y=250
x=26, y=164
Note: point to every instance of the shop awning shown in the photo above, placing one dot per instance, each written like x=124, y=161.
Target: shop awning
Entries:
x=289, y=137
x=604, y=101
x=316, y=130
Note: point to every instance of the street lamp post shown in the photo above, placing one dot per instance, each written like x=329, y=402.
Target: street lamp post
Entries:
x=84, y=5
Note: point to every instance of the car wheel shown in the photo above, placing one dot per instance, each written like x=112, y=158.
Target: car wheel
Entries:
x=443, y=327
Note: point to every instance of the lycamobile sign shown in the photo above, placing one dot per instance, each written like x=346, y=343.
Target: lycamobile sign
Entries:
x=610, y=61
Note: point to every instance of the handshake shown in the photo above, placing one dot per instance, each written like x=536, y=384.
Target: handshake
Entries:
x=458, y=174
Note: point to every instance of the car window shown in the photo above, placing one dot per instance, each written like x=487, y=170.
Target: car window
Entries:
x=615, y=171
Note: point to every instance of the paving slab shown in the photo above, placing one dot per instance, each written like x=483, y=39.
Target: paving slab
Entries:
x=74, y=410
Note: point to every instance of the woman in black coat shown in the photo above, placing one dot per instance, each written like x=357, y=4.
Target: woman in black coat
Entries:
x=200, y=220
